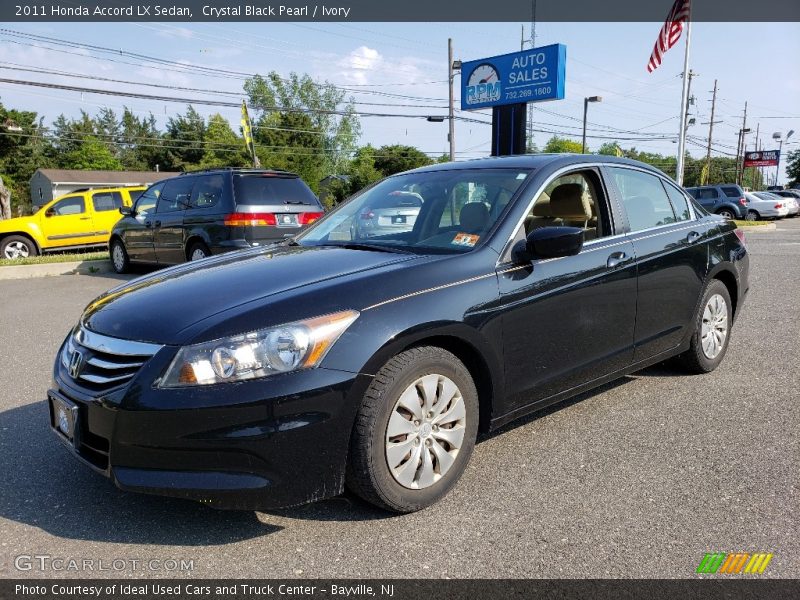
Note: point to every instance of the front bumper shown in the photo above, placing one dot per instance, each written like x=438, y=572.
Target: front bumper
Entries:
x=269, y=443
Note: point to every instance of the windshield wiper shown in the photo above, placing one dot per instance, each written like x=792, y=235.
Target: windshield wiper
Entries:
x=361, y=246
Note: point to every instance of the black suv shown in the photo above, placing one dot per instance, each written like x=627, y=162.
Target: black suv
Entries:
x=201, y=213
x=726, y=200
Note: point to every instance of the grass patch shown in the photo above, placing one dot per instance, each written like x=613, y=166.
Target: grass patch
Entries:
x=752, y=223
x=61, y=257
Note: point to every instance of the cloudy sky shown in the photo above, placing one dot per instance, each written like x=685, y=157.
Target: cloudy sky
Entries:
x=402, y=69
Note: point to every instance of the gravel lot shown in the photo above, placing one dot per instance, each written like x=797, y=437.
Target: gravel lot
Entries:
x=637, y=479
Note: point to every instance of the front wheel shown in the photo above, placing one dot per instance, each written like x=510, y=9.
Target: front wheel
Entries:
x=711, y=330
x=414, y=432
x=17, y=246
x=119, y=257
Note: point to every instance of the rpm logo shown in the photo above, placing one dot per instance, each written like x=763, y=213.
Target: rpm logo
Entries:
x=483, y=85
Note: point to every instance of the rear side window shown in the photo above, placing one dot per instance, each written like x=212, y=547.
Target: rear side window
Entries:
x=679, y=202
x=732, y=192
x=261, y=189
x=176, y=194
x=644, y=198
x=207, y=191
x=708, y=194
x=103, y=201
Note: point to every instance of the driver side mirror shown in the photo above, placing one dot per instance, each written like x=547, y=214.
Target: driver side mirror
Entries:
x=126, y=210
x=49, y=212
x=548, y=242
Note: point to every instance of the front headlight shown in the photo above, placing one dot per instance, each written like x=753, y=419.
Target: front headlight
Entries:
x=298, y=345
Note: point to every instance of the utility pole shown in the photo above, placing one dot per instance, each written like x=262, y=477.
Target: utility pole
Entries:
x=755, y=147
x=451, y=136
x=710, y=131
x=739, y=153
x=690, y=102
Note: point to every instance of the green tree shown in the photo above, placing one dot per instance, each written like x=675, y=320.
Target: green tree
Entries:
x=397, y=158
x=611, y=149
x=793, y=167
x=223, y=147
x=91, y=154
x=331, y=116
x=141, y=146
x=559, y=144
x=184, y=139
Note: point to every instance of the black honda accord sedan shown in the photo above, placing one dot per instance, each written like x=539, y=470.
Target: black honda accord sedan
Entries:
x=276, y=376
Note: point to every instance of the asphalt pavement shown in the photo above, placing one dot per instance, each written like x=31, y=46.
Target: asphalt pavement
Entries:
x=637, y=479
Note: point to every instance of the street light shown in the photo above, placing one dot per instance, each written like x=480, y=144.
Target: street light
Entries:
x=777, y=136
x=585, y=109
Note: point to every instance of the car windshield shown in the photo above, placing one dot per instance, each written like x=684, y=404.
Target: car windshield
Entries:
x=447, y=211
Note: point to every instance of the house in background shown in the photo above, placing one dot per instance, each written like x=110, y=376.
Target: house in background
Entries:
x=47, y=184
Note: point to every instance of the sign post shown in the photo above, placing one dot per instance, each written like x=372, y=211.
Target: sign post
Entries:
x=506, y=84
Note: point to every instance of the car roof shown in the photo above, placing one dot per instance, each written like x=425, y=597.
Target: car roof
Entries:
x=534, y=161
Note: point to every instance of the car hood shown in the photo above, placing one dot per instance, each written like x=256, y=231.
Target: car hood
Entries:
x=158, y=307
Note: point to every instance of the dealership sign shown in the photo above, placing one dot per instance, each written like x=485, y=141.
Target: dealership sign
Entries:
x=528, y=76
x=763, y=158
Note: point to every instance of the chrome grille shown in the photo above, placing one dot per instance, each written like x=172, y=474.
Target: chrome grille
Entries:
x=101, y=362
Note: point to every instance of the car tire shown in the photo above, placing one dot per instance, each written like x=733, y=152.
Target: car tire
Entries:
x=713, y=319
x=726, y=213
x=18, y=246
x=119, y=256
x=439, y=442
x=198, y=251
x=752, y=215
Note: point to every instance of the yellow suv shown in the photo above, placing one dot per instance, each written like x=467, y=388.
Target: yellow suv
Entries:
x=78, y=220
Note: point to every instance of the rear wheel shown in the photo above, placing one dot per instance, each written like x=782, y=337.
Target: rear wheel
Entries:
x=198, y=251
x=119, y=256
x=18, y=246
x=711, y=330
x=726, y=213
x=415, y=430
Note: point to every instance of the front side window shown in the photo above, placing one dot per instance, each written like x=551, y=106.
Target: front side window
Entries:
x=447, y=211
x=148, y=200
x=103, y=201
x=644, y=198
x=573, y=200
x=74, y=205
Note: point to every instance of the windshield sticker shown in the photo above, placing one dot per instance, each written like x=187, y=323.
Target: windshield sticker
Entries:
x=465, y=239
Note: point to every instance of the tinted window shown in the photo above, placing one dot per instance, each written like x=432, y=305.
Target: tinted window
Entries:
x=258, y=188
x=68, y=206
x=207, y=190
x=147, y=201
x=708, y=194
x=176, y=195
x=693, y=192
x=103, y=201
x=679, y=202
x=732, y=192
x=644, y=198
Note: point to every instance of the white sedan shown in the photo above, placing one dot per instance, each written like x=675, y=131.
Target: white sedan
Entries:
x=764, y=205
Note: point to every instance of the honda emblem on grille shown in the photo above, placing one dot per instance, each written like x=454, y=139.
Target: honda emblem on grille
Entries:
x=75, y=364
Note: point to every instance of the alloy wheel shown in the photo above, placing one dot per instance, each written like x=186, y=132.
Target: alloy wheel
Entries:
x=198, y=254
x=726, y=214
x=17, y=250
x=425, y=431
x=714, y=328
x=118, y=256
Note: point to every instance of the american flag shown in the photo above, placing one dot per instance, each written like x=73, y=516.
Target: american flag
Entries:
x=670, y=32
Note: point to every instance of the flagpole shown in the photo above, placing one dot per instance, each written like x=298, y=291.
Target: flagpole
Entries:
x=684, y=104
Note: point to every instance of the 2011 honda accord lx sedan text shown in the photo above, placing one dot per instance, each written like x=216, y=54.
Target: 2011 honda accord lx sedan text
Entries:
x=276, y=376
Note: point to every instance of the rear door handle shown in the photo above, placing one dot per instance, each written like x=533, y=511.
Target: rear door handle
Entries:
x=158, y=223
x=148, y=223
x=692, y=237
x=617, y=259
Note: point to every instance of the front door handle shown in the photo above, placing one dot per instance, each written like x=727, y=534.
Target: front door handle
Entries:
x=84, y=218
x=158, y=223
x=617, y=259
x=692, y=237
x=148, y=223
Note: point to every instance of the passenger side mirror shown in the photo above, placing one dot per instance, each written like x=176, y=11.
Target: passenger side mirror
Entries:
x=548, y=242
x=126, y=210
